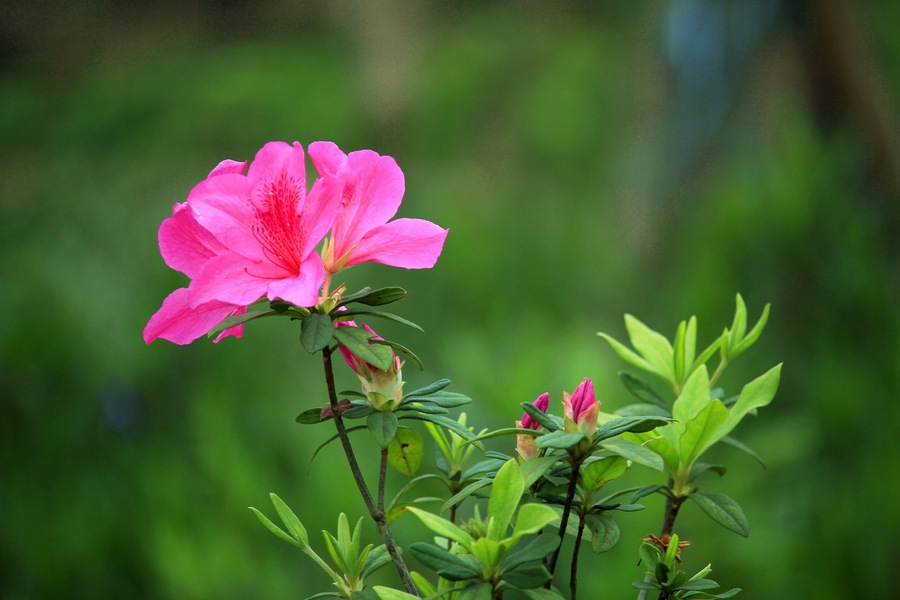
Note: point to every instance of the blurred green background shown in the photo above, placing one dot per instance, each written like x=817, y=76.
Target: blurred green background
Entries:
x=590, y=159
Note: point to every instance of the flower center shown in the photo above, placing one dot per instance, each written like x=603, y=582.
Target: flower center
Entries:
x=278, y=227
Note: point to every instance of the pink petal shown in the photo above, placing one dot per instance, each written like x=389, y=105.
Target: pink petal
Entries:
x=326, y=157
x=409, y=243
x=177, y=322
x=373, y=190
x=301, y=289
x=185, y=245
x=221, y=205
x=236, y=331
x=277, y=159
x=233, y=279
x=228, y=167
x=319, y=211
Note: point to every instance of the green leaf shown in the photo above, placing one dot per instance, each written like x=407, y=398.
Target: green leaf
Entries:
x=421, y=407
x=694, y=397
x=543, y=594
x=659, y=444
x=316, y=331
x=465, y=493
x=698, y=584
x=738, y=325
x=381, y=315
x=756, y=394
x=229, y=322
x=377, y=297
x=628, y=355
x=442, y=399
x=622, y=425
x=642, y=390
x=532, y=518
x=604, y=532
x=386, y=593
x=402, y=350
x=724, y=511
x=293, y=524
x=377, y=558
x=278, y=531
x=650, y=554
x=449, y=566
x=543, y=419
x=653, y=346
x=505, y=494
x=701, y=468
x=600, y=472
x=700, y=430
x=429, y=389
x=311, y=416
x=356, y=340
x=533, y=469
x=642, y=409
x=383, y=427
x=527, y=576
x=752, y=336
x=405, y=451
x=537, y=549
x=635, y=453
x=735, y=443
x=679, y=351
x=708, y=352
x=442, y=527
x=478, y=591
x=646, y=491
x=444, y=422
x=559, y=439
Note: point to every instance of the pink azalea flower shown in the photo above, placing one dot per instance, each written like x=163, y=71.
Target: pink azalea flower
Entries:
x=373, y=187
x=581, y=409
x=186, y=246
x=270, y=227
x=542, y=403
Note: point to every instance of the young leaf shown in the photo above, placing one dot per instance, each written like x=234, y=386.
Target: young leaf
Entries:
x=505, y=494
x=537, y=549
x=700, y=430
x=429, y=389
x=635, y=453
x=383, y=427
x=559, y=439
x=694, y=397
x=622, y=425
x=533, y=469
x=735, y=443
x=230, y=322
x=653, y=346
x=628, y=355
x=641, y=390
x=442, y=527
x=293, y=524
x=310, y=416
x=465, y=493
x=405, y=451
x=724, y=511
x=752, y=336
x=386, y=593
x=756, y=394
x=278, y=531
x=532, y=518
x=316, y=331
x=600, y=472
x=377, y=297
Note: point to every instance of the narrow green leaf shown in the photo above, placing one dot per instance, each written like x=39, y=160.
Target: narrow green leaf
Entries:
x=336, y=552
x=383, y=427
x=444, y=422
x=542, y=418
x=429, y=389
x=400, y=348
x=505, y=494
x=559, y=439
x=646, y=491
x=278, y=531
x=754, y=334
x=678, y=347
x=465, y=493
x=694, y=397
x=527, y=576
x=698, y=584
x=690, y=346
x=653, y=346
x=405, y=451
x=426, y=409
x=386, y=593
x=229, y=322
x=534, y=469
x=442, y=527
x=724, y=511
x=622, y=425
x=700, y=431
x=293, y=524
x=701, y=468
x=756, y=394
x=377, y=297
x=476, y=591
x=537, y=549
x=635, y=453
x=442, y=399
x=377, y=558
x=735, y=443
x=629, y=356
x=642, y=390
x=709, y=352
x=316, y=331
x=659, y=444
x=381, y=315
x=356, y=340
x=739, y=324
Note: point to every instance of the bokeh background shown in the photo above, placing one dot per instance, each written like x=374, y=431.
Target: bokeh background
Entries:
x=589, y=158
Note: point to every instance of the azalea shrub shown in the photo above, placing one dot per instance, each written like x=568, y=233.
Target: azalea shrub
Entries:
x=256, y=242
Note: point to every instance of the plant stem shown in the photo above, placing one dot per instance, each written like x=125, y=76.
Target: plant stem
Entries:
x=573, y=577
x=382, y=475
x=570, y=495
x=376, y=511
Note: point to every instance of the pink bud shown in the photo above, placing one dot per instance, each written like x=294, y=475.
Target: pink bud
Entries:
x=582, y=406
x=542, y=403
